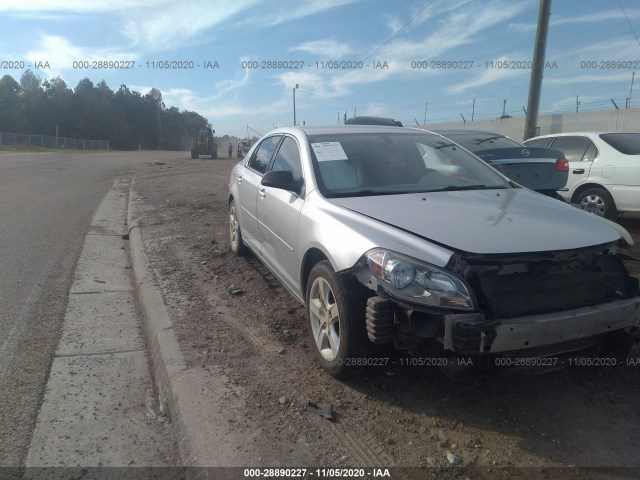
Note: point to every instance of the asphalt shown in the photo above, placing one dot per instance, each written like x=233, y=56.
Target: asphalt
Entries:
x=98, y=408
x=47, y=201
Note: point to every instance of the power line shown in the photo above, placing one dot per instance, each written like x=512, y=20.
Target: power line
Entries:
x=629, y=22
x=384, y=43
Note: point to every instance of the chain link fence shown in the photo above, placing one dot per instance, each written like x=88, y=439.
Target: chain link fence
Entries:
x=627, y=120
x=46, y=141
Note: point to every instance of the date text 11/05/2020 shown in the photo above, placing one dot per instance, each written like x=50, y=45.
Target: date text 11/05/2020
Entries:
x=497, y=361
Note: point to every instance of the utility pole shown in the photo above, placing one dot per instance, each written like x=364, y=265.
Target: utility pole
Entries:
x=425, y=112
x=535, y=85
x=577, y=103
x=633, y=74
x=504, y=107
x=473, y=109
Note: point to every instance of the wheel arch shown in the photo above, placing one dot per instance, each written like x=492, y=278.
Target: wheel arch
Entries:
x=311, y=257
x=588, y=186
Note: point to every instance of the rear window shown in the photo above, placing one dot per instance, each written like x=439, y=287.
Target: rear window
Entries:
x=538, y=142
x=475, y=142
x=627, y=143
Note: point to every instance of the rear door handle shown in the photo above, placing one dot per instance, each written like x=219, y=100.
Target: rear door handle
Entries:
x=578, y=170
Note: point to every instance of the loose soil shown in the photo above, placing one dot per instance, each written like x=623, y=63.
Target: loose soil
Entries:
x=231, y=314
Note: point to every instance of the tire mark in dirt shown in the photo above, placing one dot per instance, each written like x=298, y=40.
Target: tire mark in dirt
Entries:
x=357, y=442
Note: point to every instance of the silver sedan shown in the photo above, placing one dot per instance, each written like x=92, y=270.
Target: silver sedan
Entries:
x=398, y=236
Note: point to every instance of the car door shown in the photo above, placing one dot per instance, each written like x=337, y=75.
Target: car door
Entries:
x=248, y=183
x=620, y=168
x=278, y=213
x=580, y=152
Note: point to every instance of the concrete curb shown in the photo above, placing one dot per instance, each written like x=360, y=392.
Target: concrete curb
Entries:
x=169, y=367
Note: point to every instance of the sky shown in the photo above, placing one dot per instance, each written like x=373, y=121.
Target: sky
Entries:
x=238, y=62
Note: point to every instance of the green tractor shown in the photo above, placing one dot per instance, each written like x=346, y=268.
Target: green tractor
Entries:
x=204, y=144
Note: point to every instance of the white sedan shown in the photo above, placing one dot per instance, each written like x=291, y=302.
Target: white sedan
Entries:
x=604, y=170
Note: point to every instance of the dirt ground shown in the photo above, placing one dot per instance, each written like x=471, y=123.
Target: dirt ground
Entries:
x=257, y=336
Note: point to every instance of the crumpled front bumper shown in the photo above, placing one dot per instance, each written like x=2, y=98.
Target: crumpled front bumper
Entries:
x=471, y=333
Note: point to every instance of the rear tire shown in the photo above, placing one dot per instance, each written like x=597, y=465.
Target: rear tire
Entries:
x=335, y=308
x=599, y=202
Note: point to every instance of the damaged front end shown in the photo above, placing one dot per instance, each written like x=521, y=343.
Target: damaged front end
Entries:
x=530, y=305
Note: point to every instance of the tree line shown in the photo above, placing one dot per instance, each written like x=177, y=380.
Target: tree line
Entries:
x=126, y=118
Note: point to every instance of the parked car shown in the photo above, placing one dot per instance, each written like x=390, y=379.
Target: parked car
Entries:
x=392, y=235
x=365, y=120
x=242, y=148
x=605, y=170
x=541, y=169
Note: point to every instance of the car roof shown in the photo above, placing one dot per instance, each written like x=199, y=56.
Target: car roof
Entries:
x=371, y=120
x=328, y=130
x=566, y=134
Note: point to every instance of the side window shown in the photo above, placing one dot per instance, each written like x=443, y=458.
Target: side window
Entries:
x=591, y=153
x=262, y=156
x=572, y=147
x=538, y=142
x=288, y=158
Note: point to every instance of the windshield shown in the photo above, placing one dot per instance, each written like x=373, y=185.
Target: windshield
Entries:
x=627, y=143
x=385, y=164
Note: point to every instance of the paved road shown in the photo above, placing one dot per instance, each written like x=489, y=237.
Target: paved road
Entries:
x=47, y=201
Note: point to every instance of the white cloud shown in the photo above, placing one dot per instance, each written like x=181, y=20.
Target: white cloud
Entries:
x=579, y=19
x=595, y=78
x=60, y=53
x=78, y=6
x=178, y=23
x=595, y=17
x=488, y=76
x=287, y=12
x=455, y=30
x=328, y=48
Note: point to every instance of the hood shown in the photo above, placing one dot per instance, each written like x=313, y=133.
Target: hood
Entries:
x=488, y=221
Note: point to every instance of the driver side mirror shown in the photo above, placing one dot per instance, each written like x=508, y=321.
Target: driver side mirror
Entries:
x=282, y=179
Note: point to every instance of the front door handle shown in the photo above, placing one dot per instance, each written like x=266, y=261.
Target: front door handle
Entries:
x=578, y=170
x=262, y=192
x=239, y=179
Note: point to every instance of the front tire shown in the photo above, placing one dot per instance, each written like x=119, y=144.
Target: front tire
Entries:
x=194, y=153
x=599, y=202
x=236, y=244
x=335, y=308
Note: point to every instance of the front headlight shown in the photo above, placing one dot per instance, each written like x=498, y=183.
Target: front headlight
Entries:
x=408, y=279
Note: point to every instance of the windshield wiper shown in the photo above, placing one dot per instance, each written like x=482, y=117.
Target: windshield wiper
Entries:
x=478, y=142
x=465, y=187
x=365, y=193
x=445, y=145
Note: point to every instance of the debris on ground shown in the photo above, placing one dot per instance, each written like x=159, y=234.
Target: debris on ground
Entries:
x=323, y=409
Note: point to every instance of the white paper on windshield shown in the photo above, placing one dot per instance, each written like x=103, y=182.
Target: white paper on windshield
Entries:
x=329, y=151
